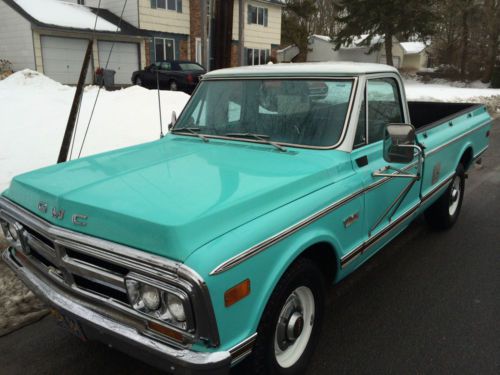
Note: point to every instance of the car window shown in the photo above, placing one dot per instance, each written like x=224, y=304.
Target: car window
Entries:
x=190, y=67
x=165, y=66
x=384, y=106
x=360, y=137
x=290, y=111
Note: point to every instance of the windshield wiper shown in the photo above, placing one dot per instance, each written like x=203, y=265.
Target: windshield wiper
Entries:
x=190, y=130
x=260, y=137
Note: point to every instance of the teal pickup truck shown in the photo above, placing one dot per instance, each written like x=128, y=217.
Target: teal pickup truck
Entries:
x=214, y=244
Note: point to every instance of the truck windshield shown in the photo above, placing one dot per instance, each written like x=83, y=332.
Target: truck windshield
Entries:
x=298, y=112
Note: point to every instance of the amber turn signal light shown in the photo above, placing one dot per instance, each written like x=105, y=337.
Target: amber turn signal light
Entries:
x=165, y=331
x=236, y=293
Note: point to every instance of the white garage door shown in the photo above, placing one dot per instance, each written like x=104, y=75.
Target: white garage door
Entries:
x=63, y=59
x=124, y=59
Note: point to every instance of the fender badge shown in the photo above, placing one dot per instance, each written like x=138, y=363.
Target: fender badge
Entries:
x=351, y=219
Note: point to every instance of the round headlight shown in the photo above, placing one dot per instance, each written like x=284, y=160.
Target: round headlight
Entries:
x=12, y=232
x=150, y=296
x=176, y=307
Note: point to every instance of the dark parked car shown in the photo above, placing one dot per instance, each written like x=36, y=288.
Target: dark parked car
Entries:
x=172, y=75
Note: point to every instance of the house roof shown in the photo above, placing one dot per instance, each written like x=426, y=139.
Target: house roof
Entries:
x=412, y=47
x=356, y=42
x=331, y=68
x=62, y=14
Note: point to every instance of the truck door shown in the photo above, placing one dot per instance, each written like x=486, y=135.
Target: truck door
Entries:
x=389, y=201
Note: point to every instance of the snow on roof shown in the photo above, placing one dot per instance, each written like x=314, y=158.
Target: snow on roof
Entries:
x=323, y=37
x=412, y=47
x=332, y=68
x=59, y=13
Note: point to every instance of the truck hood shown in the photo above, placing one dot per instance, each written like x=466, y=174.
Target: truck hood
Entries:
x=171, y=196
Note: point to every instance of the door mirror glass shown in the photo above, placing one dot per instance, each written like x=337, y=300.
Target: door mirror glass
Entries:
x=399, y=140
x=173, y=120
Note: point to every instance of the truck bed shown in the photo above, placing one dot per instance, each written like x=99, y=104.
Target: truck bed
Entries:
x=428, y=114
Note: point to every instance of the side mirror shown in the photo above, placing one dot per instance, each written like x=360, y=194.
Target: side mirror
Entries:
x=399, y=142
x=173, y=120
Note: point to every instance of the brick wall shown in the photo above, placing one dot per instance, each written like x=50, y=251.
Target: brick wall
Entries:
x=235, y=55
x=183, y=50
x=195, y=26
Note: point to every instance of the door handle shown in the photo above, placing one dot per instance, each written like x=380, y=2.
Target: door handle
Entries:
x=362, y=161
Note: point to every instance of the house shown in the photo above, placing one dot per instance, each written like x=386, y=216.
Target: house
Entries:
x=406, y=55
x=253, y=43
x=51, y=35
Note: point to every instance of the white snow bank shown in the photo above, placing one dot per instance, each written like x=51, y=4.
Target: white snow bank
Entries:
x=34, y=110
x=416, y=90
x=59, y=13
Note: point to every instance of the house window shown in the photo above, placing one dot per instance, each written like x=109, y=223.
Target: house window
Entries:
x=257, y=15
x=257, y=56
x=81, y=2
x=175, y=5
x=164, y=49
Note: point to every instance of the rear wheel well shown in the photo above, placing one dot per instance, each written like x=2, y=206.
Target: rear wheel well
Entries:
x=466, y=158
x=323, y=254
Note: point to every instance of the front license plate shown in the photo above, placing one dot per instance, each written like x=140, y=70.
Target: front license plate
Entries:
x=69, y=324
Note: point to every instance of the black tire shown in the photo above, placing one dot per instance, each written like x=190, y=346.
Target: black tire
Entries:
x=138, y=82
x=263, y=360
x=172, y=86
x=441, y=216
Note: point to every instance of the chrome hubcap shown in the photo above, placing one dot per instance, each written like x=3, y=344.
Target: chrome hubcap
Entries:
x=294, y=327
x=454, y=196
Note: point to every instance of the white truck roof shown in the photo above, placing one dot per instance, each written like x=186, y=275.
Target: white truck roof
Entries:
x=333, y=68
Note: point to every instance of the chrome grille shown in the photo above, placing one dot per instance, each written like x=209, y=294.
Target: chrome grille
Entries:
x=95, y=269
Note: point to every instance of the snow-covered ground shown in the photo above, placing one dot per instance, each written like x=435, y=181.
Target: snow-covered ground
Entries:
x=440, y=90
x=34, y=111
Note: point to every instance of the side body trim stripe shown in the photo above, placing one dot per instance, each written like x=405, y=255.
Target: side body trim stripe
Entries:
x=254, y=250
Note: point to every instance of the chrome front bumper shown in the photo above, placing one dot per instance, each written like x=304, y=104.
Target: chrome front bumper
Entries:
x=103, y=328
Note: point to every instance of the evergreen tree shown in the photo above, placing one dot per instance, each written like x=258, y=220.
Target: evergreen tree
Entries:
x=402, y=19
x=297, y=24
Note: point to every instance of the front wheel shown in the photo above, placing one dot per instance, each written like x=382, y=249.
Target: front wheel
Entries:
x=290, y=325
x=444, y=212
x=173, y=86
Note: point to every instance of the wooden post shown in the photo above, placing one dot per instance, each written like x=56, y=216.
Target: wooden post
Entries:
x=70, y=127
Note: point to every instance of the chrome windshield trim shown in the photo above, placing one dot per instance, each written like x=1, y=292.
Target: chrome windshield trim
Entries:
x=354, y=88
x=136, y=260
x=456, y=139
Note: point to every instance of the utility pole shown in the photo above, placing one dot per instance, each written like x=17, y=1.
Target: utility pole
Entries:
x=204, y=54
x=241, y=31
x=70, y=127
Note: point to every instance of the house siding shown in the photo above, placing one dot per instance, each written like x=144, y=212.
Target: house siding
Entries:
x=164, y=20
x=258, y=36
x=16, y=39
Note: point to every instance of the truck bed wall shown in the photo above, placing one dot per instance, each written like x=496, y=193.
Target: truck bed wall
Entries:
x=428, y=114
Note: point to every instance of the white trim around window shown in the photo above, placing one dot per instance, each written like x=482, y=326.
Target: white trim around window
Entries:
x=164, y=46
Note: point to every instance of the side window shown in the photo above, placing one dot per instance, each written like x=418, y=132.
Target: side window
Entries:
x=165, y=66
x=384, y=106
x=360, y=137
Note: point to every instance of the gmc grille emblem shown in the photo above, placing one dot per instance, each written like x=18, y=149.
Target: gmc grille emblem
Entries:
x=76, y=219
x=58, y=214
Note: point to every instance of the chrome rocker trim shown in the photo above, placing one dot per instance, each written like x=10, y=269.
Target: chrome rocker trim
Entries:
x=119, y=335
